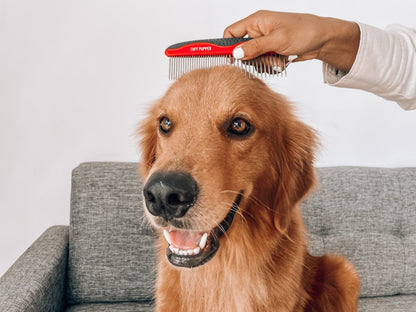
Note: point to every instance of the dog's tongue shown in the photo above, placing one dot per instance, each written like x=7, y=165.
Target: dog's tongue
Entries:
x=185, y=239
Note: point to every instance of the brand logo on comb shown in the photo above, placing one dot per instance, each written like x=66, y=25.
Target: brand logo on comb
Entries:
x=200, y=49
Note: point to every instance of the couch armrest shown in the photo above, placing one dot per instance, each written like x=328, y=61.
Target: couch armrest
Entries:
x=36, y=281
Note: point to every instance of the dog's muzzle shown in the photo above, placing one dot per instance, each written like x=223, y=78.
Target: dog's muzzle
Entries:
x=169, y=195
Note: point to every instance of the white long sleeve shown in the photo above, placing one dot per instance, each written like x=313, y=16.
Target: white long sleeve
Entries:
x=385, y=65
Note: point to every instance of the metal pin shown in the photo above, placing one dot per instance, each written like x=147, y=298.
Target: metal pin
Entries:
x=262, y=66
x=284, y=64
x=268, y=66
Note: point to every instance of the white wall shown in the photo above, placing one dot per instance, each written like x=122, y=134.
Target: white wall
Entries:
x=76, y=77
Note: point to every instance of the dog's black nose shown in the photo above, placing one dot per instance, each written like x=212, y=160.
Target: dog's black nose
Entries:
x=170, y=194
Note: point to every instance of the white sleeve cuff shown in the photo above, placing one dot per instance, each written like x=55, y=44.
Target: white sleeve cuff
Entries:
x=385, y=65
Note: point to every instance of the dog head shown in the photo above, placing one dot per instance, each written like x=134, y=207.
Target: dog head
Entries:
x=215, y=144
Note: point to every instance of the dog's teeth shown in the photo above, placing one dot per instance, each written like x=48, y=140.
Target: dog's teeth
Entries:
x=185, y=252
x=203, y=241
x=167, y=236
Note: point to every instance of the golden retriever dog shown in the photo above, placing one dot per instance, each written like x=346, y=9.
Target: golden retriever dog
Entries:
x=225, y=164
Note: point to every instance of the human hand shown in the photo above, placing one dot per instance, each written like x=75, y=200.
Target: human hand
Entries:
x=308, y=36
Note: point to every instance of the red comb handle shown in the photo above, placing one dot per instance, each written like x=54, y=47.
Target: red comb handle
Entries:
x=208, y=47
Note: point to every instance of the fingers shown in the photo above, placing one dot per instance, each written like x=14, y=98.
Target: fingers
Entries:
x=247, y=26
x=237, y=29
x=240, y=28
x=291, y=58
x=259, y=26
x=253, y=48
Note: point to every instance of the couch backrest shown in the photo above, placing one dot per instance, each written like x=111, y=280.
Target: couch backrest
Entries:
x=365, y=214
x=369, y=216
x=111, y=246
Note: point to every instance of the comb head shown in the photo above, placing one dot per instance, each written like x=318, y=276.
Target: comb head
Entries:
x=187, y=56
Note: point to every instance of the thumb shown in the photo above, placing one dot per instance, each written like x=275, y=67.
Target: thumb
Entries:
x=252, y=48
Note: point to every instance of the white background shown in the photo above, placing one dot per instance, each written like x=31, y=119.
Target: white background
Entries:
x=77, y=76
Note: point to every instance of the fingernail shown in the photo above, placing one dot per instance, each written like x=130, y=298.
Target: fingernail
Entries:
x=238, y=53
x=291, y=58
x=277, y=69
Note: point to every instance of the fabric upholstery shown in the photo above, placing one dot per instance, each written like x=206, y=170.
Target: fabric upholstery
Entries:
x=111, y=246
x=36, y=281
x=369, y=216
x=388, y=304
x=379, y=304
x=112, y=307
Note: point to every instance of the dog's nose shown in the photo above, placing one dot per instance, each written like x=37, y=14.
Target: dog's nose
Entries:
x=170, y=194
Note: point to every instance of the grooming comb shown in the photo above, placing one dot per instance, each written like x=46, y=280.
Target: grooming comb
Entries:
x=187, y=56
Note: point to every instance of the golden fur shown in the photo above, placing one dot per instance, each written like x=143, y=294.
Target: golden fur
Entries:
x=262, y=263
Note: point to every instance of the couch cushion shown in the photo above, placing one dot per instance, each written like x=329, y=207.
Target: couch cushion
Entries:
x=369, y=216
x=388, y=304
x=112, y=307
x=366, y=214
x=111, y=254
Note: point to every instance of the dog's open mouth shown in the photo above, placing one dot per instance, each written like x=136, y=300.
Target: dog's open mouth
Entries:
x=191, y=249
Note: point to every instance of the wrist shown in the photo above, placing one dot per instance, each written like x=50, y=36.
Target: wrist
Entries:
x=341, y=45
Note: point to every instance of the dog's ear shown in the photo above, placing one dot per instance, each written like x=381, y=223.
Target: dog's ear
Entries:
x=147, y=133
x=296, y=175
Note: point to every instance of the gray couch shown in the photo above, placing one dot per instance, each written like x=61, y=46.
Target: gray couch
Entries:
x=105, y=260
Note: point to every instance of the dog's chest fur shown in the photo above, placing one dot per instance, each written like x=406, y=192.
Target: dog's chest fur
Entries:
x=243, y=286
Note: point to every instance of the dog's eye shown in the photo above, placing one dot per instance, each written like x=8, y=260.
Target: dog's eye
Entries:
x=239, y=127
x=165, y=125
